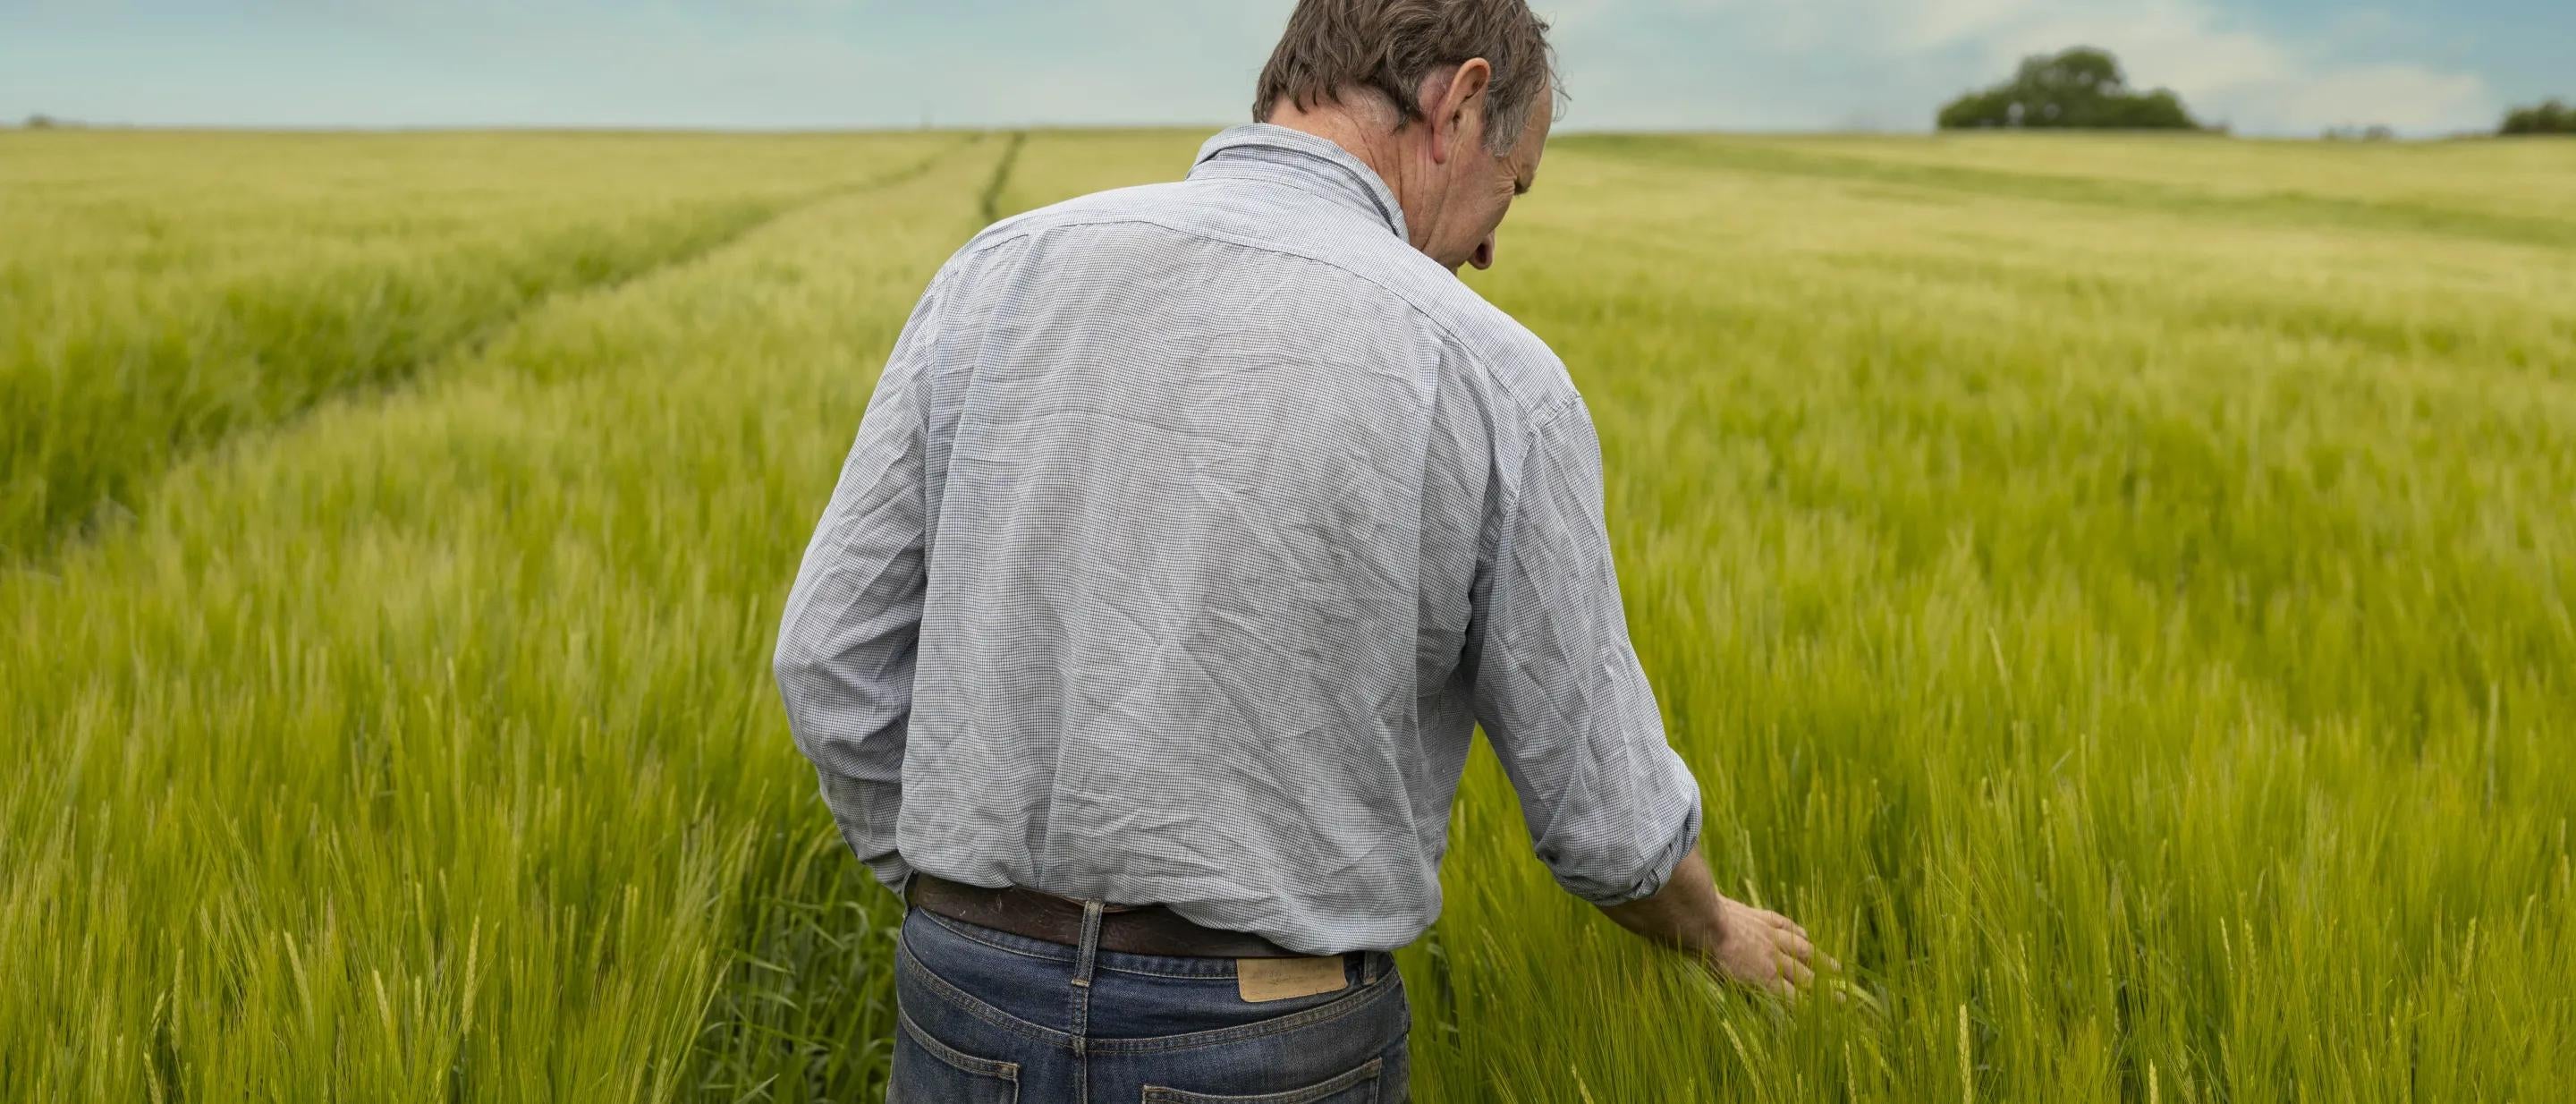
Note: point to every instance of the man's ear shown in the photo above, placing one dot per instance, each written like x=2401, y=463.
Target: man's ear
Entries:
x=1456, y=106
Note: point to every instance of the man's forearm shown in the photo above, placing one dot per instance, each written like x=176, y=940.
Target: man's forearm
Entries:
x=1741, y=943
x=1684, y=913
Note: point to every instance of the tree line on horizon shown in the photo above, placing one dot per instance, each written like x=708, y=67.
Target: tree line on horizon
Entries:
x=2550, y=116
x=2083, y=88
x=2080, y=88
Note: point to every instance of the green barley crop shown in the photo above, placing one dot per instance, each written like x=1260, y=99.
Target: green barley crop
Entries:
x=163, y=295
x=2116, y=592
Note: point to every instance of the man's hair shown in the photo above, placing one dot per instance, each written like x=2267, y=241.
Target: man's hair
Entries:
x=1391, y=45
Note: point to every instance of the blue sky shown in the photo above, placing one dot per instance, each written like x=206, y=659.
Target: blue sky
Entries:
x=2265, y=66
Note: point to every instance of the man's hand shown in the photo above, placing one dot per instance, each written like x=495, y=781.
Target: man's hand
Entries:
x=1739, y=943
x=1760, y=948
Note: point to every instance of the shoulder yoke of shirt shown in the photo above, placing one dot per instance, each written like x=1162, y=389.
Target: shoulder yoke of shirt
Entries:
x=1270, y=188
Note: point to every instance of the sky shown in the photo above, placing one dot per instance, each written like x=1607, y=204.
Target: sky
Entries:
x=2284, y=67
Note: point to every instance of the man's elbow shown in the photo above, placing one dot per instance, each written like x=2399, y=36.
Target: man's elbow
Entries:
x=807, y=685
x=1626, y=867
x=803, y=665
x=793, y=664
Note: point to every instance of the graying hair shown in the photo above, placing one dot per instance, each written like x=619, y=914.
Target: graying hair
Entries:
x=1389, y=46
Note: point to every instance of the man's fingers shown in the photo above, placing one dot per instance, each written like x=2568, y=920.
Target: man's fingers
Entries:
x=1784, y=923
x=1780, y=985
x=1785, y=971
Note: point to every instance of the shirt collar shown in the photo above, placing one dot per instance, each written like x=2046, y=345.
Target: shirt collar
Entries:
x=1262, y=151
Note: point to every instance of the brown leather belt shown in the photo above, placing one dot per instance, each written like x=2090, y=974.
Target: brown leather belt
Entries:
x=1127, y=929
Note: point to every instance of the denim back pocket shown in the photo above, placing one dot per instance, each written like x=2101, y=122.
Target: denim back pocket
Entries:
x=1356, y=1086
x=932, y=1072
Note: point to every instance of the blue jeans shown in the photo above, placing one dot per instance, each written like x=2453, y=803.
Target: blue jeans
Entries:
x=989, y=1017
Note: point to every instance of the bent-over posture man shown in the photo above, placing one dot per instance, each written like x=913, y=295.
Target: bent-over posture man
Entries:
x=1190, y=533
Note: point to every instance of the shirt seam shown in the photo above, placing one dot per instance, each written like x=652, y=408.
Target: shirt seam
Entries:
x=1541, y=412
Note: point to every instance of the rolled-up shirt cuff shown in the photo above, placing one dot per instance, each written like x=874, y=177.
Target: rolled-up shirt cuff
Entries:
x=1659, y=867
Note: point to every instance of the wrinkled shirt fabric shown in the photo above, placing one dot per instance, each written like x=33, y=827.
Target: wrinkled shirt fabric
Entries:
x=1191, y=532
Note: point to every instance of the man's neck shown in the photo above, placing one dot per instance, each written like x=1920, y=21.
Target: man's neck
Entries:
x=1364, y=132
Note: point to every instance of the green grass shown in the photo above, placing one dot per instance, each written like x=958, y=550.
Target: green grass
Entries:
x=164, y=294
x=2116, y=593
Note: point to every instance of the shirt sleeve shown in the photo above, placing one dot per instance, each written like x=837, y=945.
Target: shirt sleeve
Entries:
x=846, y=643
x=1557, y=687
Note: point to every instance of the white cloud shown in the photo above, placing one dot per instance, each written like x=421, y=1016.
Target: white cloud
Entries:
x=2173, y=43
x=2408, y=97
x=2224, y=69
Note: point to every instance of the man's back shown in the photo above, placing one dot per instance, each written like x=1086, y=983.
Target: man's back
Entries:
x=1190, y=535
x=1236, y=513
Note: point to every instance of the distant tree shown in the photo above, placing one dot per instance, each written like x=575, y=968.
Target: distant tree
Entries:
x=2550, y=116
x=2081, y=87
x=40, y=122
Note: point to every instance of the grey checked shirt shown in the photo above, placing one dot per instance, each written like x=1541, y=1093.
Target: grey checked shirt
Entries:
x=1191, y=531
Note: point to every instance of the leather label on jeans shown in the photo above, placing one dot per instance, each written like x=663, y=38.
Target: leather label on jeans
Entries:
x=1270, y=979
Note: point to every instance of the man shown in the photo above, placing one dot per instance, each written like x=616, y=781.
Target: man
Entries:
x=1191, y=531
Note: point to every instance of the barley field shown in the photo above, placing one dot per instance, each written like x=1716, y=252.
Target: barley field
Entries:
x=2119, y=593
